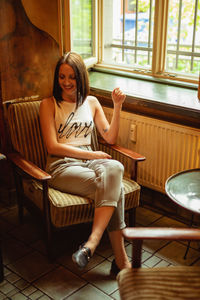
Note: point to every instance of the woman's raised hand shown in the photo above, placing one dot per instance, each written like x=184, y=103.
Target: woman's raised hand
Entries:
x=118, y=96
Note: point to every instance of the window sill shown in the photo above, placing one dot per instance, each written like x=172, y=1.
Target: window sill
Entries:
x=158, y=99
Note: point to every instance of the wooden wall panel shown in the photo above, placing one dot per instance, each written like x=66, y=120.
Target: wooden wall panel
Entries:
x=27, y=54
x=44, y=15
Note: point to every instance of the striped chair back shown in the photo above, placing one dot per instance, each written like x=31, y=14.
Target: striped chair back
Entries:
x=25, y=132
x=26, y=136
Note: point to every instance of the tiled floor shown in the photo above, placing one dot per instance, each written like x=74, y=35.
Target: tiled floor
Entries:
x=29, y=275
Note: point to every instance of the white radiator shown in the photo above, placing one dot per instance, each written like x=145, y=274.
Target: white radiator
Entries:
x=168, y=147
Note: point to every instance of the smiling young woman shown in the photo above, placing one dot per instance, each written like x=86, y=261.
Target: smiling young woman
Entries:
x=67, y=120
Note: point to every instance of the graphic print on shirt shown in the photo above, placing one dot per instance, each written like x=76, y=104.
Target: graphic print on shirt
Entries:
x=78, y=128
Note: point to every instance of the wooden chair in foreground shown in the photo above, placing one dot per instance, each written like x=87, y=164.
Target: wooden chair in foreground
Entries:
x=174, y=282
x=58, y=210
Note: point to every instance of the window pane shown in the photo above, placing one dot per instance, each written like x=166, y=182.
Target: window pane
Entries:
x=131, y=5
x=128, y=32
x=183, y=41
x=82, y=27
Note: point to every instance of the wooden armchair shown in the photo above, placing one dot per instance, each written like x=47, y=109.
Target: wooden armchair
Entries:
x=28, y=159
x=176, y=282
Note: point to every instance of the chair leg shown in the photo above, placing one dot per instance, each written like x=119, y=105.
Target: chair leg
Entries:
x=49, y=247
x=188, y=246
x=19, y=190
x=49, y=240
x=1, y=266
x=137, y=253
x=48, y=226
x=131, y=217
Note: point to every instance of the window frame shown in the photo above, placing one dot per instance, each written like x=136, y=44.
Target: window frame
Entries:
x=158, y=52
x=64, y=19
x=96, y=61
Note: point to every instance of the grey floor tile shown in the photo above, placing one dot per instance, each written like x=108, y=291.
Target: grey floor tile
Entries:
x=6, y=287
x=36, y=295
x=193, y=244
x=32, y=266
x=21, y=284
x=40, y=246
x=163, y=263
x=145, y=217
x=5, y=227
x=2, y=296
x=29, y=275
x=167, y=222
x=29, y=290
x=153, y=246
x=152, y=261
x=11, y=216
x=174, y=253
x=59, y=283
x=12, y=293
x=6, y=271
x=145, y=253
x=100, y=277
x=13, y=250
x=19, y=296
x=116, y=295
x=89, y=292
x=26, y=233
x=44, y=297
x=12, y=277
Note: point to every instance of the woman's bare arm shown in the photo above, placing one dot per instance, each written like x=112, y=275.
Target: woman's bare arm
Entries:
x=108, y=131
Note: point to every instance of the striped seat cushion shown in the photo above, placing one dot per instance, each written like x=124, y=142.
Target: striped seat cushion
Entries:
x=179, y=282
x=67, y=209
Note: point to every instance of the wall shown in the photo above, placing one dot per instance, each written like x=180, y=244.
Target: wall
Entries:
x=28, y=47
x=44, y=15
x=29, y=51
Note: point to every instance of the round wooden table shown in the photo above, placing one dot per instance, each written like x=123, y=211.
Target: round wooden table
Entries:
x=184, y=189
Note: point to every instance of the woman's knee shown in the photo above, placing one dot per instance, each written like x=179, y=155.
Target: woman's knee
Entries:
x=115, y=167
x=115, y=171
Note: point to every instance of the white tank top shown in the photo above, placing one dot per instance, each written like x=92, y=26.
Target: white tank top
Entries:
x=73, y=126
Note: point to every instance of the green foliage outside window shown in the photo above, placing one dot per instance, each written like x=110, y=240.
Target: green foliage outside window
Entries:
x=81, y=16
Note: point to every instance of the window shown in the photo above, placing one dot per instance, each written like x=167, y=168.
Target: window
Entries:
x=78, y=28
x=160, y=38
x=82, y=27
x=156, y=37
x=128, y=35
x=131, y=5
x=183, y=37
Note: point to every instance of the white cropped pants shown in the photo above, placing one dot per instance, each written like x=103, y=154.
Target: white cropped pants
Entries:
x=99, y=179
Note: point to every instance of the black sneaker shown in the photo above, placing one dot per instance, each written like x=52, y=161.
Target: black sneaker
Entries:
x=114, y=268
x=82, y=257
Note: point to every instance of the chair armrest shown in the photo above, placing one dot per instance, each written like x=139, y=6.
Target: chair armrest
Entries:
x=161, y=233
x=138, y=234
x=28, y=167
x=125, y=151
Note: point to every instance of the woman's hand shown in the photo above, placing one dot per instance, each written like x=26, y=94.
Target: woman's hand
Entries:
x=118, y=96
x=100, y=155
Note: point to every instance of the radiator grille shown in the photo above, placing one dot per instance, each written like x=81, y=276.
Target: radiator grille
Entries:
x=169, y=148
